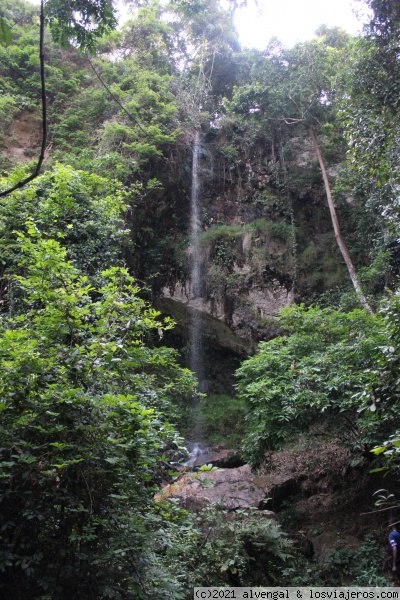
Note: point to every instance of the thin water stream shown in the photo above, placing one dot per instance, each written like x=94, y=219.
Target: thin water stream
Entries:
x=199, y=452
x=196, y=341
x=196, y=319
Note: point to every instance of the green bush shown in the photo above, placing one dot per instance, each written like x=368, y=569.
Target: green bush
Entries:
x=81, y=208
x=311, y=374
x=8, y=108
x=84, y=431
x=360, y=566
x=220, y=419
x=216, y=548
x=220, y=232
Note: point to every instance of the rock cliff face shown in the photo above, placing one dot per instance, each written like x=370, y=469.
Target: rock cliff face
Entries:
x=262, y=246
x=266, y=239
x=181, y=308
x=237, y=330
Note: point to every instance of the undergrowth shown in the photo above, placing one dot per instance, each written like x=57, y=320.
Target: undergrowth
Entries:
x=220, y=420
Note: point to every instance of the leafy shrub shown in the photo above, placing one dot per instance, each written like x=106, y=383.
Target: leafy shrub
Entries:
x=361, y=566
x=8, y=109
x=310, y=255
x=220, y=419
x=380, y=396
x=216, y=548
x=312, y=373
x=82, y=208
x=83, y=430
x=219, y=232
x=280, y=230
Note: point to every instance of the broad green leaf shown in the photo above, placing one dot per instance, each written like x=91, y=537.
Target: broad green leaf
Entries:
x=379, y=450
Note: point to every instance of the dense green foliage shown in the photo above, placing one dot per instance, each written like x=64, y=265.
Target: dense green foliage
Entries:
x=219, y=420
x=312, y=375
x=362, y=566
x=91, y=399
x=84, y=408
x=131, y=110
x=82, y=209
x=81, y=21
x=222, y=551
x=332, y=372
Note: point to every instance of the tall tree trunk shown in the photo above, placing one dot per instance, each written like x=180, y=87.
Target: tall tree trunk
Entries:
x=336, y=228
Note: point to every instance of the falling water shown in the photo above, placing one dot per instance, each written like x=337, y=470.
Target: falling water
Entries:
x=195, y=263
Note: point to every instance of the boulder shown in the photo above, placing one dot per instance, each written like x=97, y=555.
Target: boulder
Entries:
x=231, y=489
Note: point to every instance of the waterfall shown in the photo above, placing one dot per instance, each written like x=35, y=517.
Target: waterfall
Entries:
x=195, y=359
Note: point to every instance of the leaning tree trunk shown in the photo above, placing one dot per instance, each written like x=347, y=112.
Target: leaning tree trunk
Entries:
x=336, y=228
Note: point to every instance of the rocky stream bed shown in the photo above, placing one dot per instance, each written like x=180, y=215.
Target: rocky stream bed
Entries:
x=310, y=488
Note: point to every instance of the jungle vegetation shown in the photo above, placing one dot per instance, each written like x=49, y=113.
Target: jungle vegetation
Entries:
x=96, y=125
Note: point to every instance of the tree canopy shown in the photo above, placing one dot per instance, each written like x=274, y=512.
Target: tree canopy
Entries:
x=298, y=154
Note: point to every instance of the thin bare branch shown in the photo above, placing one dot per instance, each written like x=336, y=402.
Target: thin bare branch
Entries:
x=36, y=172
x=372, y=512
